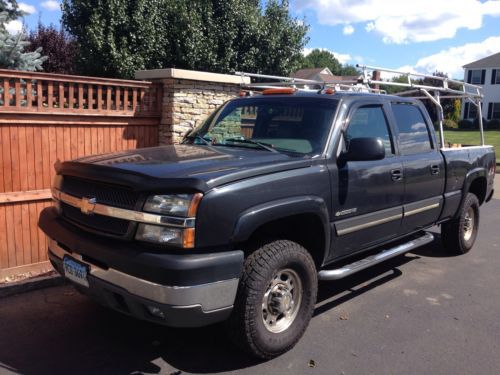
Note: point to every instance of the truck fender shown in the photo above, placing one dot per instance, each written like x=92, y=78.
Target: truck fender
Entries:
x=469, y=179
x=253, y=218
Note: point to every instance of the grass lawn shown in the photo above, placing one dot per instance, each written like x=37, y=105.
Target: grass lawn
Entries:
x=471, y=137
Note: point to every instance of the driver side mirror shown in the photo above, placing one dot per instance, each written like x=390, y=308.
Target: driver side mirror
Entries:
x=364, y=149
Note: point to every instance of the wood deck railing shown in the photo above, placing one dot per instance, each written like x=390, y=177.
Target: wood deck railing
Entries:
x=63, y=94
x=49, y=117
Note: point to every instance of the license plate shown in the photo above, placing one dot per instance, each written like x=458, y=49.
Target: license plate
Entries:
x=75, y=271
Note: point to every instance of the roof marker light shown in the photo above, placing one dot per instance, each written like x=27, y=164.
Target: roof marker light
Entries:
x=280, y=91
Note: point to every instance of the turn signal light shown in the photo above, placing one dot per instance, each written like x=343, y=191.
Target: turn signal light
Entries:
x=280, y=91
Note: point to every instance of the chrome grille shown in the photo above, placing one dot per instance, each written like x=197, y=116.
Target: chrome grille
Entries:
x=104, y=194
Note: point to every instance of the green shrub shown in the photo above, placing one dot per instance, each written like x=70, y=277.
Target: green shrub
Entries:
x=494, y=124
x=475, y=124
x=465, y=124
x=449, y=125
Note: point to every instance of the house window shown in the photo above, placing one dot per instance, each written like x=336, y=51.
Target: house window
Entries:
x=472, y=111
x=495, y=78
x=476, y=76
x=495, y=113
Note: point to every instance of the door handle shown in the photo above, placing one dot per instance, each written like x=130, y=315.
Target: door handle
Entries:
x=435, y=169
x=396, y=175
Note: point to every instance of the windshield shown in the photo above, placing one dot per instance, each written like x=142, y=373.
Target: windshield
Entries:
x=294, y=124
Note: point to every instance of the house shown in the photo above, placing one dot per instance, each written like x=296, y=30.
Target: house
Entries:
x=486, y=73
x=322, y=74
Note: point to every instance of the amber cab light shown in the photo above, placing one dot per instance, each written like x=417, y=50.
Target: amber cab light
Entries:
x=280, y=91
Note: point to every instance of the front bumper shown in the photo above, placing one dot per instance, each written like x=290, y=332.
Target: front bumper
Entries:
x=133, y=283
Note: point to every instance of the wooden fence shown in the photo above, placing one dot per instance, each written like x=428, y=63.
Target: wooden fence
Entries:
x=50, y=117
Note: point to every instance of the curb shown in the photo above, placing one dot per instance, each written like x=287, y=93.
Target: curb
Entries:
x=30, y=285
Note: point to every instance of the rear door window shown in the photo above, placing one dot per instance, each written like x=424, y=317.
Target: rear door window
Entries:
x=413, y=134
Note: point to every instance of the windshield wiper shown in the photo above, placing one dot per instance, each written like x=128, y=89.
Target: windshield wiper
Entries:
x=265, y=146
x=197, y=136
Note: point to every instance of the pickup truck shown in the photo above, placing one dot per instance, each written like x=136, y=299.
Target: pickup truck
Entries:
x=272, y=193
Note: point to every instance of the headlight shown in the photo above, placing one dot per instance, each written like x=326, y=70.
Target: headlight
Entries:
x=184, y=205
x=182, y=237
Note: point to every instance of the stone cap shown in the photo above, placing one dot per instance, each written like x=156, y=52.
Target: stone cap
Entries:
x=192, y=75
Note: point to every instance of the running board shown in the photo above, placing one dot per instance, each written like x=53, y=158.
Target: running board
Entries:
x=349, y=269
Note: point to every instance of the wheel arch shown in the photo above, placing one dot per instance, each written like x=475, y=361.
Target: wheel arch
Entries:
x=303, y=219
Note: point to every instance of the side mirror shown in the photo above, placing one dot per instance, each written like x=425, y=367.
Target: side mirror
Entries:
x=364, y=149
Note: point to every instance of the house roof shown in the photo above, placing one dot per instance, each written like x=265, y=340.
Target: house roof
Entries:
x=310, y=73
x=492, y=61
x=323, y=74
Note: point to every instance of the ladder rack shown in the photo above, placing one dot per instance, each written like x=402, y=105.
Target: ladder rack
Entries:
x=369, y=81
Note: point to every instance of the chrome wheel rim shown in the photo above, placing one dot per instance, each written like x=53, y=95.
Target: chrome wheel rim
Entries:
x=469, y=224
x=282, y=300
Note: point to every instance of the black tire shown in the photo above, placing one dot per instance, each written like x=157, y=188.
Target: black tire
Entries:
x=458, y=235
x=263, y=270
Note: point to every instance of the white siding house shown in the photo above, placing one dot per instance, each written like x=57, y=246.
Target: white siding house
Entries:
x=486, y=73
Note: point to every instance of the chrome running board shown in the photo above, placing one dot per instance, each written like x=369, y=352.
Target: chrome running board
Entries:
x=349, y=269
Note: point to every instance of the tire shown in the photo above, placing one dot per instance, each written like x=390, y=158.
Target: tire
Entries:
x=277, y=271
x=459, y=235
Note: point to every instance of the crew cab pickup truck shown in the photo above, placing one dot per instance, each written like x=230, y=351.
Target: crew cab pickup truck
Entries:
x=272, y=193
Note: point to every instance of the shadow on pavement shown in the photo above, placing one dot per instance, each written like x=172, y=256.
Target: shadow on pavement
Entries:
x=57, y=330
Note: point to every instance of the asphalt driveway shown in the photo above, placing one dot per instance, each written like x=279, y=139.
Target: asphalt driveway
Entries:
x=421, y=313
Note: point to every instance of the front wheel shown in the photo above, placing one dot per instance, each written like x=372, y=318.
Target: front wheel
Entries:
x=459, y=235
x=275, y=299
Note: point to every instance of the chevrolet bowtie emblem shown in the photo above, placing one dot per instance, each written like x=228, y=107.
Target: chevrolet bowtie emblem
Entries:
x=87, y=205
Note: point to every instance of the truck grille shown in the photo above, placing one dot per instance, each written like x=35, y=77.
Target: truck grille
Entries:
x=108, y=195
x=104, y=194
x=97, y=223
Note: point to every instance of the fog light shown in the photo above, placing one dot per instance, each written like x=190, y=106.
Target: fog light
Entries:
x=158, y=234
x=153, y=310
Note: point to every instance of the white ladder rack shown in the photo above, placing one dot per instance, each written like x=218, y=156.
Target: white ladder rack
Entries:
x=368, y=79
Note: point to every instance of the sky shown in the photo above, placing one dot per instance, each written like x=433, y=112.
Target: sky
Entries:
x=413, y=36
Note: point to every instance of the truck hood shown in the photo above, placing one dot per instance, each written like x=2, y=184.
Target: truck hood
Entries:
x=197, y=166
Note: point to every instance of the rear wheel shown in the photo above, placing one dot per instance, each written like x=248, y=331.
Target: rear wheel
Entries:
x=275, y=299
x=459, y=235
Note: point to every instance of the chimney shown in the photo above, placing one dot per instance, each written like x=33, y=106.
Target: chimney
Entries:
x=376, y=77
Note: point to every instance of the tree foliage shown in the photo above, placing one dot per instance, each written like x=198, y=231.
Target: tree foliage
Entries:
x=60, y=48
x=11, y=9
x=118, y=37
x=12, y=47
x=320, y=58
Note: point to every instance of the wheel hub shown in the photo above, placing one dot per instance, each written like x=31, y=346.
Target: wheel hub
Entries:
x=281, y=301
x=468, y=224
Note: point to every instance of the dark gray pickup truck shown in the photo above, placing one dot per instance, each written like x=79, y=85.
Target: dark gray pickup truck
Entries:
x=270, y=194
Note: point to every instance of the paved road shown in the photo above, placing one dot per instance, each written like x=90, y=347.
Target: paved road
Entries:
x=422, y=313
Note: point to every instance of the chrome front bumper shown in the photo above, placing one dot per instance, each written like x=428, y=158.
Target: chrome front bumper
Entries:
x=186, y=306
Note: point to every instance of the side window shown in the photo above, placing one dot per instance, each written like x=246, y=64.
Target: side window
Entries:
x=414, y=136
x=370, y=121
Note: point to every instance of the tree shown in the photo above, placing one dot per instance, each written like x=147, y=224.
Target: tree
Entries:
x=12, y=55
x=118, y=37
x=319, y=58
x=11, y=8
x=59, y=47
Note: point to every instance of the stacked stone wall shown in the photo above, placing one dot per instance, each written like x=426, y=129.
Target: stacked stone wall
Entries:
x=186, y=104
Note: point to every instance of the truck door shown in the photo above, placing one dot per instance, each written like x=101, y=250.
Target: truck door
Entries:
x=366, y=195
x=423, y=166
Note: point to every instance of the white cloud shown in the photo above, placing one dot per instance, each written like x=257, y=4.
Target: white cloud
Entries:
x=14, y=26
x=452, y=59
x=348, y=30
x=342, y=57
x=30, y=9
x=51, y=5
x=400, y=21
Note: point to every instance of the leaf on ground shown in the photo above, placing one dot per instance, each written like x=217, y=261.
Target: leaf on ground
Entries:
x=344, y=316
x=312, y=363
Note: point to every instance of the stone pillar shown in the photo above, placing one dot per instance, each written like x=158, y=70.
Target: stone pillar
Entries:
x=189, y=97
